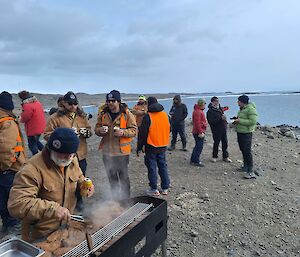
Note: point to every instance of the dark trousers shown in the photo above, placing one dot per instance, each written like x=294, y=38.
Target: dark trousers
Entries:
x=117, y=171
x=154, y=161
x=178, y=128
x=220, y=135
x=34, y=144
x=245, y=141
x=82, y=165
x=195, y=158
x=6, y=182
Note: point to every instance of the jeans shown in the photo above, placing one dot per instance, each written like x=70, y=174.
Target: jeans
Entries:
x=178, y=128
x=117, y=171
x=245, y=141
x=154, y=161
x=6, y=182
x=195, y=158
x=34, y=144
x=220, y=135
x=82, y=165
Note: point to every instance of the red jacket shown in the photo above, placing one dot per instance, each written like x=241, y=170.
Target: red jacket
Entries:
x=33, y=116
x=199, y=120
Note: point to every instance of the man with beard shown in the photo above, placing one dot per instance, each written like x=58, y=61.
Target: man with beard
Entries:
x=117, y=127
x=218, y=124
x=43, y=194
x=178, y=113
x=12, y=157
x=69, y=115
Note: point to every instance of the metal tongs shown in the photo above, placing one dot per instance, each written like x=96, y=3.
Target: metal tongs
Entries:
x=78, y=218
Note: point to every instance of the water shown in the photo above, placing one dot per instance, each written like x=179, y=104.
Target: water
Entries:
x=272, y=109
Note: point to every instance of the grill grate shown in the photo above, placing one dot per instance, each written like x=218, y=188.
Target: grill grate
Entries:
x=102, y=236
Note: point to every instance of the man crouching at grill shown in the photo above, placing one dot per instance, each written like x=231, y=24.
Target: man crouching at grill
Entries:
x=43, y=193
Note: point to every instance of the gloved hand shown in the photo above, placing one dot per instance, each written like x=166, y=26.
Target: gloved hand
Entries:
x=76, y=131
x=85, y=132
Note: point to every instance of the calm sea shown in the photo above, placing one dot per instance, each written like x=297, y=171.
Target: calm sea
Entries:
x=273, y=110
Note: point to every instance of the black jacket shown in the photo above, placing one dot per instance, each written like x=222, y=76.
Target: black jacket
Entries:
x=214, y=118
x=144, y=130
x=178, y=112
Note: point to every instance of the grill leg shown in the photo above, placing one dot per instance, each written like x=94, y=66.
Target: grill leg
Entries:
x=164, y=249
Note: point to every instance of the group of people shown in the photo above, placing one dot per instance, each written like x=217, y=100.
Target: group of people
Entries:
x=44, y=191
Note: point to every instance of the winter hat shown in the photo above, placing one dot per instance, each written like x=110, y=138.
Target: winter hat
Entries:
x=151, y=100
x=63, y=140
x=214, y=98
x=6, y=101
x=114, y=95
x=24, y=95
x=201, y=101
x=244, y=99
x=142, y=97
x=70, y=98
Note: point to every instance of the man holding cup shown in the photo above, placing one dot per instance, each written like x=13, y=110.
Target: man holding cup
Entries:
x=117, y=127
x=70, y=115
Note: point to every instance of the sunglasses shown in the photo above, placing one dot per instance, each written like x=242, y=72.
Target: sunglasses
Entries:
x=111, y=101
x=72, y=104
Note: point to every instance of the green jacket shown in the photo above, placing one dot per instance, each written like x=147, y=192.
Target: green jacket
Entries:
x=248, y=119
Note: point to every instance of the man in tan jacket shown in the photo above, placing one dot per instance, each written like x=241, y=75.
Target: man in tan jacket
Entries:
x=12, y=157
x=43, y=193
x=140, y=110
x=71, y=116
x=117, y=127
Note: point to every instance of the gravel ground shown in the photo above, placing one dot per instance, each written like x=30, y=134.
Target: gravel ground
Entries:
x=214, y=211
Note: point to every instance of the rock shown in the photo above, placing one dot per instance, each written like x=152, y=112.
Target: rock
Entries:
x=273, y=183
x=205, y=197
x=267, y=128
x=194, y=233
x=271, y=136
x=284, y=130
x=290, y=134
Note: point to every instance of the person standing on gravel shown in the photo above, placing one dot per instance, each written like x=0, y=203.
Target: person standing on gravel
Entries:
x=245, y=125
x=178, y=113
x=140, y=110
x=34, y=119
x=218, y=124
x=117, y=127
x=69, y=115
x=12, y=158
x=199, y=128
x=154, y=138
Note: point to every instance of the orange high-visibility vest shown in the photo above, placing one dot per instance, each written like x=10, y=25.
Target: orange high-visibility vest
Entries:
x=159, y=130
x=19, y=143
x=125, y=142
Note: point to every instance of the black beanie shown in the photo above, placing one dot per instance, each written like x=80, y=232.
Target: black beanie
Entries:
x=151, y=100
x=6, y=101
x=114, y=94
x=63, y=140
x=244, y=99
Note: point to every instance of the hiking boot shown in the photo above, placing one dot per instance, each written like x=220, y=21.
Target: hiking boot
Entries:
x=242, y=169
x=153, y=192
x=183, y=149
x=227, y=160
x=214, y=160
x=171, y=148
x=197, y=164
x=164, y=191
x=249, y=175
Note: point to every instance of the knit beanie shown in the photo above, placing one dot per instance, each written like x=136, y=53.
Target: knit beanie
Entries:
x=70, y=98
x=201, y=101
x=244, y=99
x=63, y=140
x=114, y=95
x=151, y=100
x=24, y=95
x=6, y=101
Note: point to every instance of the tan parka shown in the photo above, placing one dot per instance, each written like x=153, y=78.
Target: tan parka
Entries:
x=63, y=119
x=38, y=190
x=9, y=131
x=110, y=144
x=140, y=111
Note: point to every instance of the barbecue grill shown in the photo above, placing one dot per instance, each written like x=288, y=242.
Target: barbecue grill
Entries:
x=137, y=232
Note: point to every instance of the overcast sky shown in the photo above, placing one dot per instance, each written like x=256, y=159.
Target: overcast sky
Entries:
x=148, y=46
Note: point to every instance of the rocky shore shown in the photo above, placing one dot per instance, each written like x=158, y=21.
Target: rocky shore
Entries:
x=214, y=211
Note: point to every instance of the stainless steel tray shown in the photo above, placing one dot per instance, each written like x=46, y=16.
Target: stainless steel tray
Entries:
x=16, y=247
